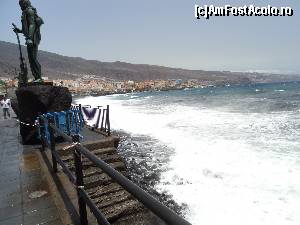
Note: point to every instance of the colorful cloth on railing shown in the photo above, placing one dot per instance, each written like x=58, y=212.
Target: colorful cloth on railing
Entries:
x=91, y=116
x=70, y=122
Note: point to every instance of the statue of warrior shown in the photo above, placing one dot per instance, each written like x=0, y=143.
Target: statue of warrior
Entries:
x=31, y=24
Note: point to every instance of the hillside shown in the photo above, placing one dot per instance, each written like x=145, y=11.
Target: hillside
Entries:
x=58, y=66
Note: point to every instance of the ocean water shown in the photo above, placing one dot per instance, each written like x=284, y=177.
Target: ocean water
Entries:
x=230, y=154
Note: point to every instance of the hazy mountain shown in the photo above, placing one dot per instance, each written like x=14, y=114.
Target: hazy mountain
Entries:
x=58, y=66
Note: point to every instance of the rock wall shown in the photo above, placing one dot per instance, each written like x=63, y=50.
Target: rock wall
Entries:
x=36, y=99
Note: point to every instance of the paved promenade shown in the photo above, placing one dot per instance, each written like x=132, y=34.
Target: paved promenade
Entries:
x=24, y=194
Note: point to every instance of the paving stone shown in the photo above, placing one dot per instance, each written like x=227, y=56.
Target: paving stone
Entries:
x=14, y=151
x=38, y=204
x=31, y=173
x=9, y=172
x=13, y=221
x=10, y=212
x=11, y=200
x=40, y=216
x=54, y=222
x=31, y=181
x=9, y=188
x=20, y=174
x=27, y=192
x=10, y=162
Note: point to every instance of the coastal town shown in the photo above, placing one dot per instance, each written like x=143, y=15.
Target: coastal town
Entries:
x=92, y=85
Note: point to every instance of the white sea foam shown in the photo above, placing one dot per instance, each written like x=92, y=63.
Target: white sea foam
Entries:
x=229, y=168
x=281, y=90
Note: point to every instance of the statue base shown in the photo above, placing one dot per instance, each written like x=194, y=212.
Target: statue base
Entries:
x=35, y=99
x=47, y=82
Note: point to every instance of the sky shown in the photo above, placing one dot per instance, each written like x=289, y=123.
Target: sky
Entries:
x=165, y=32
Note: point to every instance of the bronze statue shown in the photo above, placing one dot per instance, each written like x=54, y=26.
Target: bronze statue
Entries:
x=31, y=24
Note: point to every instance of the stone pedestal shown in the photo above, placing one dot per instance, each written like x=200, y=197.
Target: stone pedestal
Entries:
x=35, y=99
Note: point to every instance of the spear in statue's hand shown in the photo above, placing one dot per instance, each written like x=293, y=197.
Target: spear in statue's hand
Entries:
x=17, y=33
x=23, y=66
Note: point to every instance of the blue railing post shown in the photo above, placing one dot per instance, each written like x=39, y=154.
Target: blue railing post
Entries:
x=68, y=123
x=56, y=118
x=76, y=121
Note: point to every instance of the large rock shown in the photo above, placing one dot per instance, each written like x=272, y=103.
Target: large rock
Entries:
x=33, y=100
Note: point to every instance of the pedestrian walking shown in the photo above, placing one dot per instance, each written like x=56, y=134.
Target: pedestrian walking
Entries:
x=6, y=104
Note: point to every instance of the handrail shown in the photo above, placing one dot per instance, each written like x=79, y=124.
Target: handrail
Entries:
x=163, y=212
x=151, y=203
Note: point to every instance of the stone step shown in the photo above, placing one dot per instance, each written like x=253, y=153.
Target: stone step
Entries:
x=103, y=190
x=114, y=202
x=105, y=151
x=115, y=212
x=63, y=150
x=98, y=152
x=120, y=166
x=111, y=198
x=91, y=171
x=97, y=180
x=106, y=158
x=105, y=143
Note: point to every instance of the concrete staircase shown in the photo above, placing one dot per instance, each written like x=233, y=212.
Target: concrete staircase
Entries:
x=119, y=206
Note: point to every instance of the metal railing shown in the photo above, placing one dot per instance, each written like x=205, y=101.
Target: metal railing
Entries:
x=84, y=200
x=103, y=117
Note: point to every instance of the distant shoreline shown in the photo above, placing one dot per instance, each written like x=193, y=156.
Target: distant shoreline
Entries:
x=103, y=93
x=98, y=94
